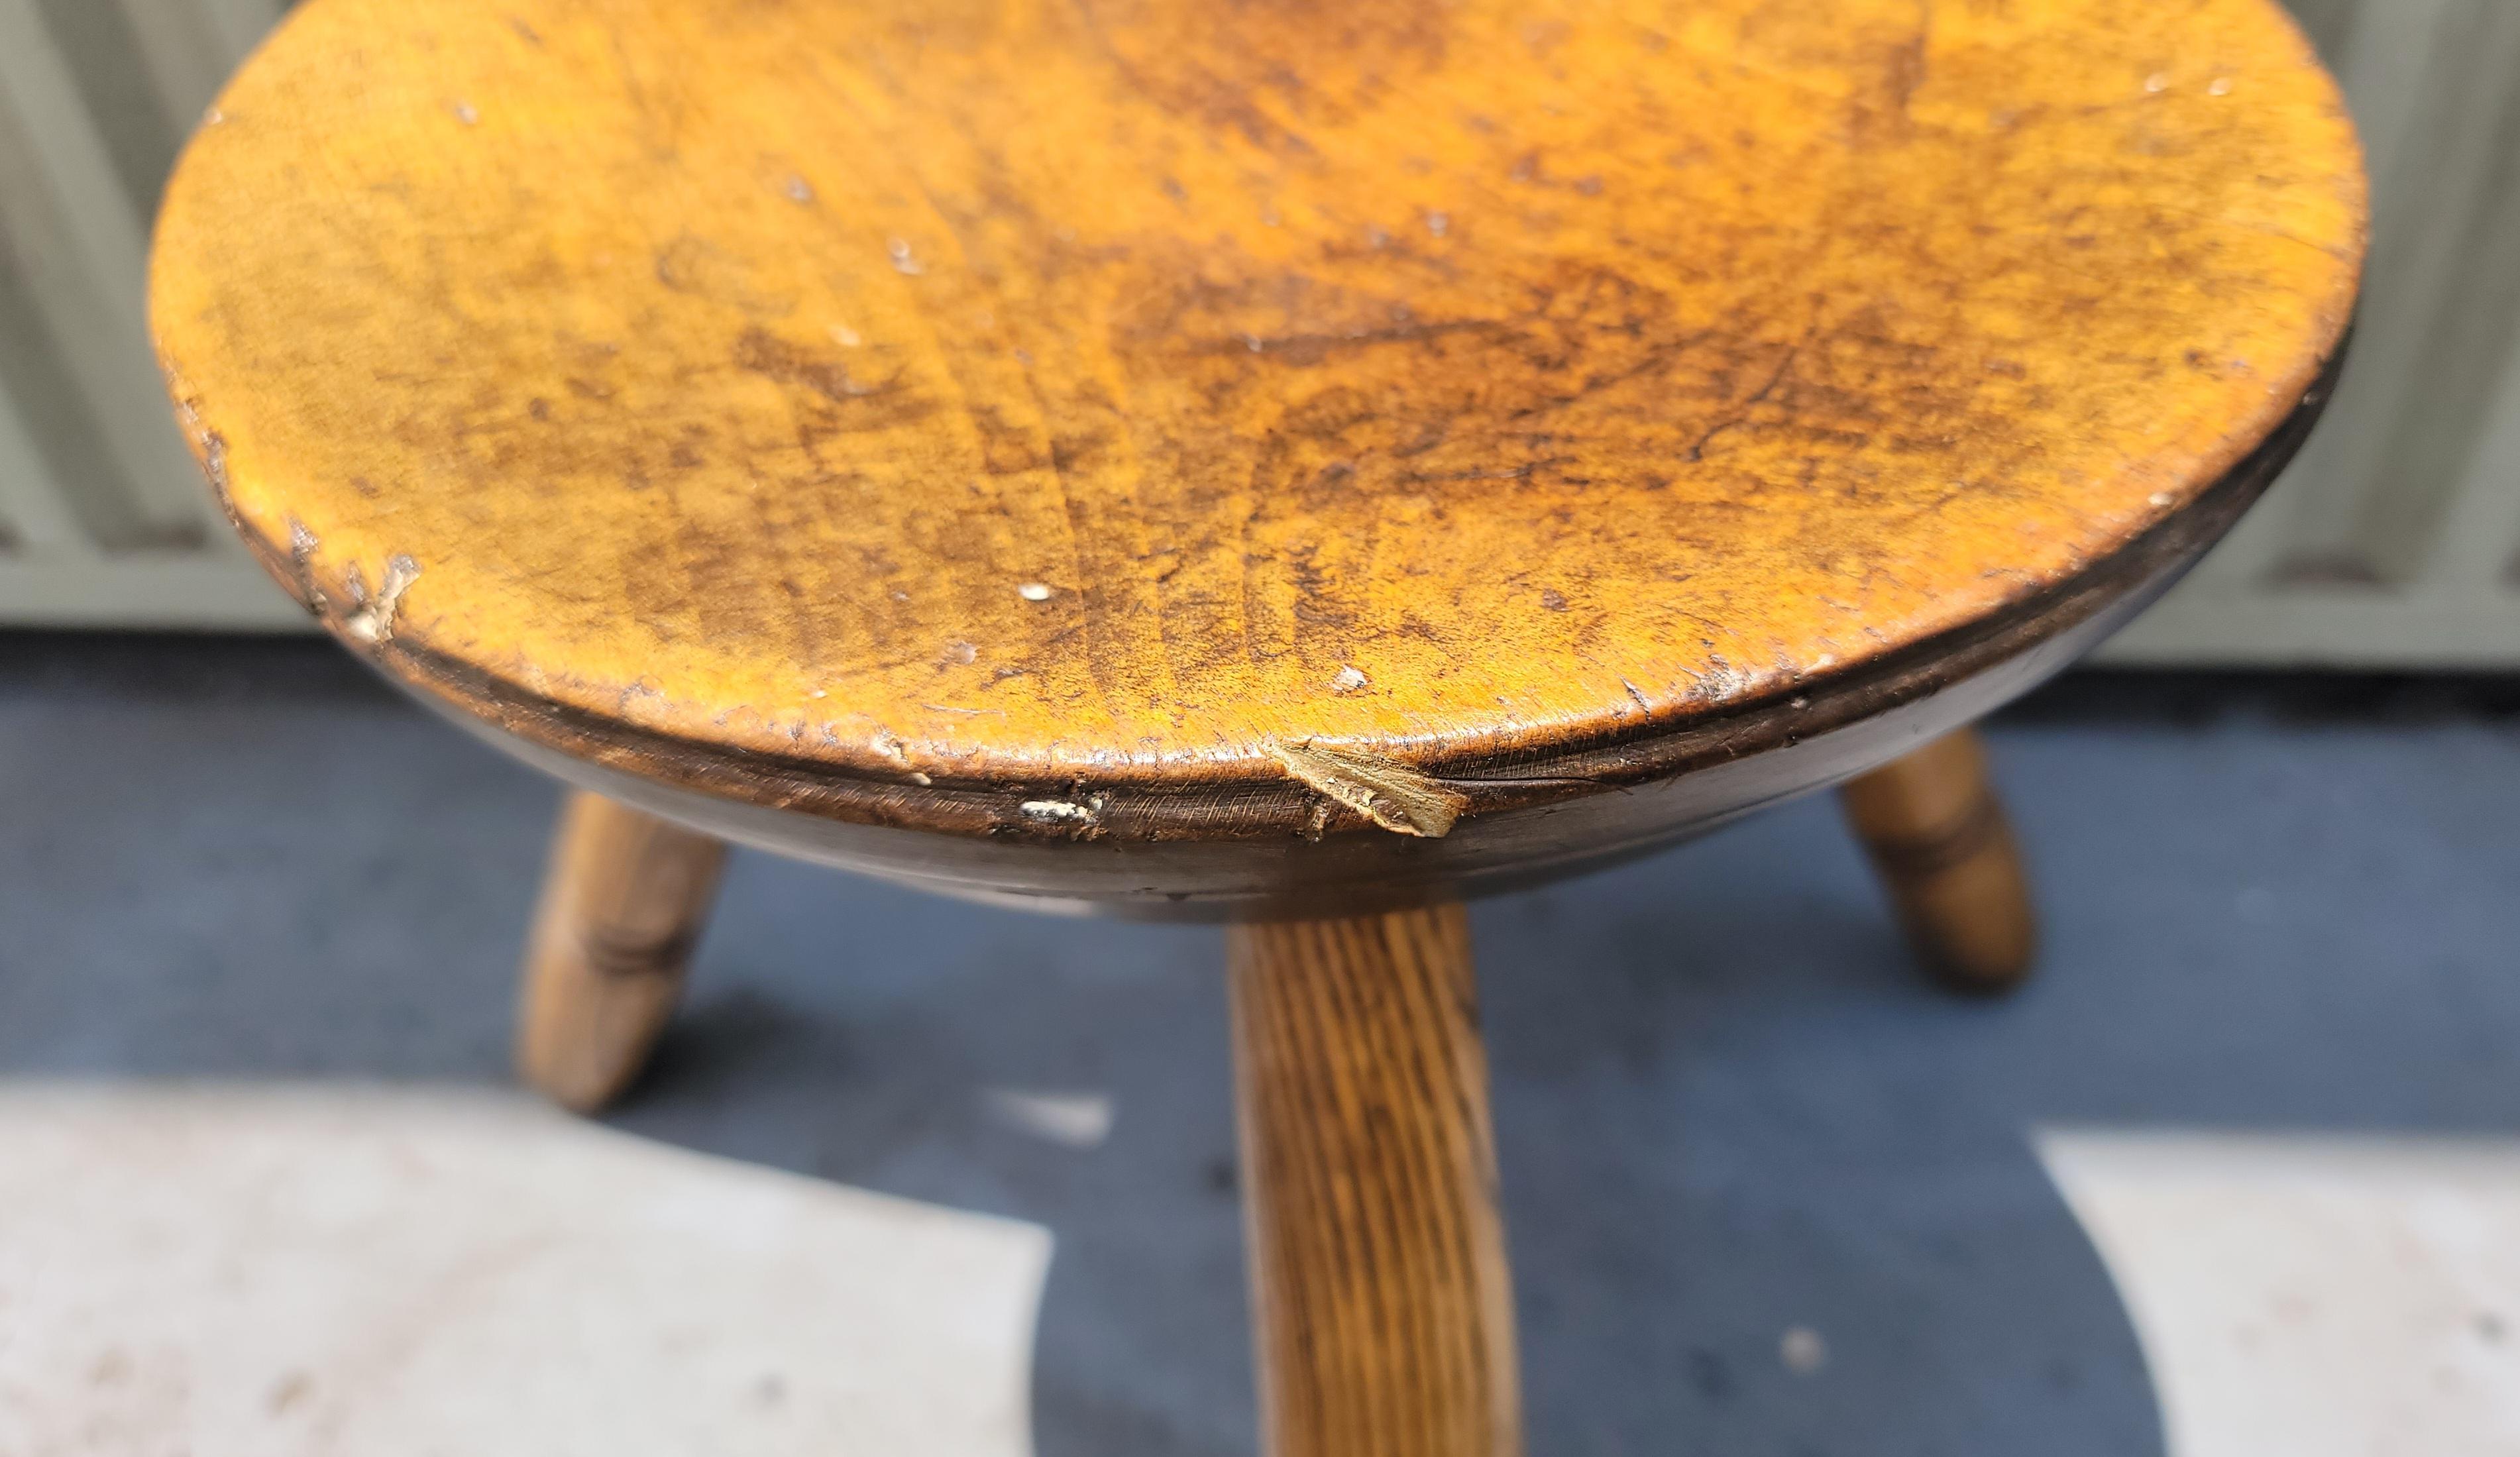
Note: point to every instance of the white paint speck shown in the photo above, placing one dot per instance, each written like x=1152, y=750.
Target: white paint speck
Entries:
x=1347, y=680
x=902, y=261
x=1056, y=812
x=215, y=117
x=2160, y=498
x=374, y=621
x=2218, y=86
x=1078, y=1121
x=845, y=336
x=820, y=694
x=1438, y=223
x=1034, y=592
x=798, y=190
x=1803, y=1352
x=2156, y=83
x=465, y=114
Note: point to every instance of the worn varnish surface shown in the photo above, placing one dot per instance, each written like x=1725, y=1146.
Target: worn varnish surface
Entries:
x=1383, y=1311
x=1102, y=397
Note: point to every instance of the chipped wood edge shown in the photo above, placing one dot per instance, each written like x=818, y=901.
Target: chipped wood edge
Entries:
x=1386, y=791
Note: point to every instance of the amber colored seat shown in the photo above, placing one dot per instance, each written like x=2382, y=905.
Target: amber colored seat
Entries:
x=1277, y=460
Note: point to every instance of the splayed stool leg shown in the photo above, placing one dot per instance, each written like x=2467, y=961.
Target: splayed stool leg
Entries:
x=623, y=903
x=1383, y=1305
x=1939, y=838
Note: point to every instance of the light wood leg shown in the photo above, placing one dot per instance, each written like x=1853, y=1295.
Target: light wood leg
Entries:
x=1938, y=836
x=624, y=903
x=1383, y=1308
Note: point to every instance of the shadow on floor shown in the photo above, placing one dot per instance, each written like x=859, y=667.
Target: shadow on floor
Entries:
x=1725, y=1108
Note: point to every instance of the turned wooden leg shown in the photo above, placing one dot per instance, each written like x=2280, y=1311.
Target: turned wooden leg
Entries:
x=1383, y=1309
x=1939, y=838
x=622, y=905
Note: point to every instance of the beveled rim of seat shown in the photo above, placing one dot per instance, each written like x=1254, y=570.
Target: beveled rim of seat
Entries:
x=1279, y=807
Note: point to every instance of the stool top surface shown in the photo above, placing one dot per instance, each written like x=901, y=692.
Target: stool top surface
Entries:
x=1130, y=388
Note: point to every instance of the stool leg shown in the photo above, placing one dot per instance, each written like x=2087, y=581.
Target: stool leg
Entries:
x=1383, y=1311
x=624, y=901
x=1939, y=838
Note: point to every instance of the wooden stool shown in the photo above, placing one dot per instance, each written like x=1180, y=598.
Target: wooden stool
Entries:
x=1281, y=462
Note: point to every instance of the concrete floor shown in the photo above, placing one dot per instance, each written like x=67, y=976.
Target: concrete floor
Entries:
x=1767, y=1194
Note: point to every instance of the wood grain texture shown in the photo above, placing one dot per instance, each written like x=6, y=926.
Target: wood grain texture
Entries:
x=1105, y=396
x=1383, y=1308
x=1944, y=847
x=624, y=903
x=1246, y=851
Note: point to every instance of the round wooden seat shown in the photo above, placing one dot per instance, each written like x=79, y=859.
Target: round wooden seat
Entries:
x=1293, y=426
x=1262, y=457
